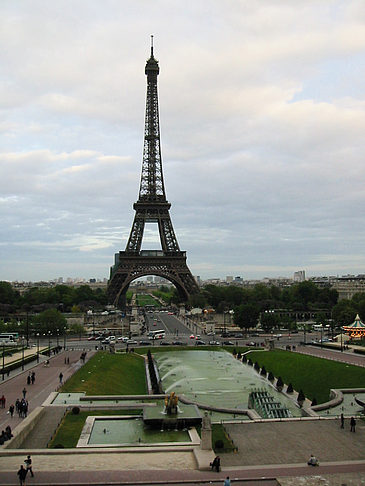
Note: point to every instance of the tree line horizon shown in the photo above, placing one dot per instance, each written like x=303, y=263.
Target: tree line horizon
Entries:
x=248, y=304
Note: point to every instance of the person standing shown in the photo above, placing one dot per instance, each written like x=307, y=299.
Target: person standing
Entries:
x=11, y=410
x=227, y=482
x=28, y=465
x=60, y=377
x=22, y=473
x=342, y=421
x=352, y=424
x=24, y=391
x=33, y=377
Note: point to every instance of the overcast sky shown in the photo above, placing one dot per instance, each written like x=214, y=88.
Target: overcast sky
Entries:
x=262, y=116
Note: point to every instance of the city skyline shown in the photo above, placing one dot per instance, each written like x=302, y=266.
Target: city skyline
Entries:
x=262, y=112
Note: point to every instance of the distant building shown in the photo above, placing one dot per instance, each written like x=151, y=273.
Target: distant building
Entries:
x=299, y=276
x=349, y=285
x=229, y=279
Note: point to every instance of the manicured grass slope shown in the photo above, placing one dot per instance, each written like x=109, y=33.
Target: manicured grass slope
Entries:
x=315, y=376
x=109, y=374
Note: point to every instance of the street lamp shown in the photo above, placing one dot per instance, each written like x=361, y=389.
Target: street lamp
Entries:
x=3, y=360
x=64, y=338
x=49, y=343
x=22, y=353
x=341, y=339
x=322, y=336
x=37, y=347
x=57, y=336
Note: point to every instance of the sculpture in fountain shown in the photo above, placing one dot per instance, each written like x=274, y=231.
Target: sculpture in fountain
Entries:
x=171, y=404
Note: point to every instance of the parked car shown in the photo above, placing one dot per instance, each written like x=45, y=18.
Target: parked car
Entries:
x=214, y=343
x=91, y=338
x=227, y=343
x=132, y=341
x=165, y=343
x=145, y=343
x=178, y=343
x=123, y=339
x=192, y=336
x=199, y=342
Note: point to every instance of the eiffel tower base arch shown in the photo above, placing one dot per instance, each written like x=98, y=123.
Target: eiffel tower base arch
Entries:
x=129, y=267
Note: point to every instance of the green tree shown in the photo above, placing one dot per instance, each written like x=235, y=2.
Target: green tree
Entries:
x=269, y=321
x=49, y=320
x=246, y=315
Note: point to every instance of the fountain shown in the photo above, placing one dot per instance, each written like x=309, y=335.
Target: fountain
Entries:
x=172, y=415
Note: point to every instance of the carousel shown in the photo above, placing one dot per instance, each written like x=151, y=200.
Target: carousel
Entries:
x=356, y=330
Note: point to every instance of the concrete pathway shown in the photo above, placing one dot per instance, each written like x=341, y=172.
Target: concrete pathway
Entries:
x=46, y=381
x=335, y=355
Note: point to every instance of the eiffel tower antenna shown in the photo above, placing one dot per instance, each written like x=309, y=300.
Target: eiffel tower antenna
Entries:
x=151, y=207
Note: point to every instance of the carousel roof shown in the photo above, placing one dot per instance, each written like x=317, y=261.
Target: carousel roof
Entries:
x=357, y=324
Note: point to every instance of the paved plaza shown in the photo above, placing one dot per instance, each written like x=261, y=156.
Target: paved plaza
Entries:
x=268, y=453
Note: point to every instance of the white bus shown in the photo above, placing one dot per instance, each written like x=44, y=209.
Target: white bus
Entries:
x=159, y=334
x=8, y=339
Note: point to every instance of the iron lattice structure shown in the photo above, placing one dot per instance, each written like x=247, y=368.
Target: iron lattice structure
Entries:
x=151, y=207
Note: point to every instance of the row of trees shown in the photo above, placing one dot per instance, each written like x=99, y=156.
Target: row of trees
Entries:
x=248, y=304
x=62, y=297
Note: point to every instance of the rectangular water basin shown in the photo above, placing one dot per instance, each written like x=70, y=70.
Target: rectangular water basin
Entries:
x=127, y=431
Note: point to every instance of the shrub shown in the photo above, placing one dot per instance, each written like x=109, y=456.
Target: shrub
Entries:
x=249, y=362
x=218, y=444
x=263, y=371
x=76, y=410
x=279, y=384
x=257, y=366
x=301, y=397
x=314, y=402
x=271, y=377
x=244, y=359
x=290, y=388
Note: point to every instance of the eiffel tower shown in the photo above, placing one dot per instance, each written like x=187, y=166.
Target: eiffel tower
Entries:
x=151, y=207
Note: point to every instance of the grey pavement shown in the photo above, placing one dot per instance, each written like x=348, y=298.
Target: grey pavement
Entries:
x=335, y=355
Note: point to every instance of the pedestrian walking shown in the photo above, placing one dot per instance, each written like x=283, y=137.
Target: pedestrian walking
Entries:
x=24, y=391
x=342, y=421
x=28, y=379
x=60, y=377
x=3, y=401
x=33, y=378
x=28, y=465
x=227, y=482
x=216, y=464
x=11, y=410
x=22, y=473
x=352, y=424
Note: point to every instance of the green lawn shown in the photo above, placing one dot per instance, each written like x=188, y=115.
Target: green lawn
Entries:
x=315, y=376
x=109, y=374
x=69, y=431
x=145, y=299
